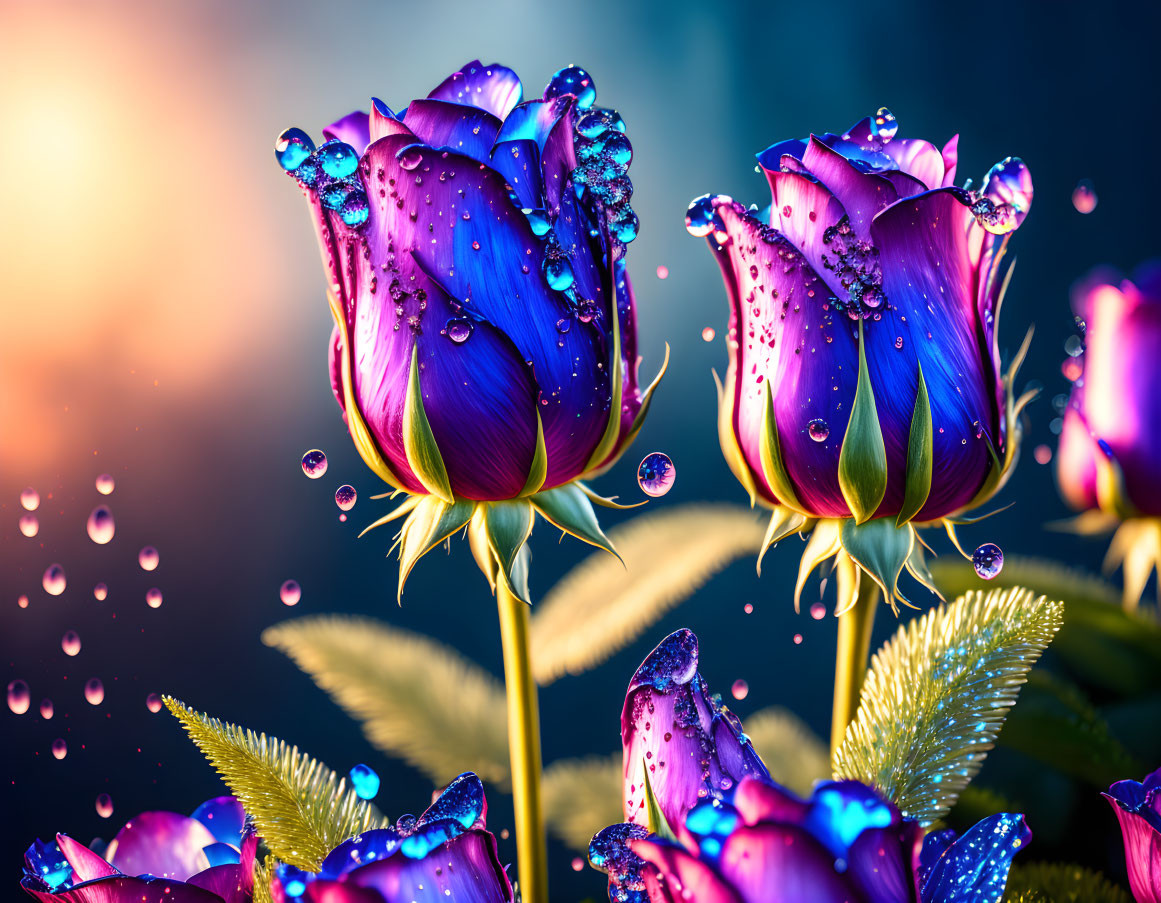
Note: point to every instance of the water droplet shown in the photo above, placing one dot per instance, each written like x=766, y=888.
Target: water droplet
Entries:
x=701, y=218
x=1084, y=197
x=153, y=703
x=818, y=430
x=365, y=782
x=60, y=749
x=54, y=580
x=100, y=525
x=885, y=124
x=1073, y=346
x=572, y=80
x=100, y=592
x=314, y=463
x=345, y=497
x=30, y=499
x=988, y=560
x=410, y=157
x=70, y=642
x=46, y=709
x=153, y=597
x=537, y=220
x=338, y=160
x=290, y=592
x=148, y=558
x=354, y=209
x=798, y=639
x=740, y=689
x=19, y=698
x=1042, y=454
x=22, y=601
x=663, y=272
x=656, y=474
x=558, y=272
x=578, y=864
x=291, y=148
x=104, y=805
x=94, y=691
x=707, y=334
x=748, y=608
x=625, y=226
x=1006, y=197
x=818, y=611
x=1072, y=368
x=29, y=525
x=105, y=484
x=459, y=329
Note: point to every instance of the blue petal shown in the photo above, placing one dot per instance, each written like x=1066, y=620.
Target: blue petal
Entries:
x=974, y=869
x=842, y=810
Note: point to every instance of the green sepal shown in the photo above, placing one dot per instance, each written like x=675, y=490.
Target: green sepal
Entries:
x=419, y=442
x=920, y=455
x=949, y=526
x=569, y=509
x=430, y=523
x=538, y=472
x=964, y=521
x=405, y=507
x=481, y=551
x=610, y=502
x=881, y=549
x=508, y=526
x=639, y=420
x=728, y=439
x=657, y=822
x=1110, y=485
x=823, y=543
x=517, y=579
x=616, y=377
x=783, y=522
x=770, y=451
x=917, y=567
x=862, y=470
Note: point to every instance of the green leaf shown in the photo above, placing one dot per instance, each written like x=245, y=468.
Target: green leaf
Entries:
x=300, y=807
x=1044, y=882
x=793, y=754
x=508, y=526
x=431, y=522
x=417, y=699
x=920, y=455
x=880, y=548
x=655, y=818
x=862, y=470
x=601, y=606
x=581, y=796
x=770, y=451
x=538, y=472
x=419, y=442
x=783, y=522
x=823, y=543
x=937, y=694
x=568, y=508
x=1101, y=643
x=617, y=375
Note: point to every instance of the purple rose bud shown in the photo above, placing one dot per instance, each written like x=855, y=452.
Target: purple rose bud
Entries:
x=1138, y=809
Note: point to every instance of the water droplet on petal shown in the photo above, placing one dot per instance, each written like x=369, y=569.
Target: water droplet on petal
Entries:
x=105, y=484
x=1084, y=197
x=1006, y=197
x=290, y=592
x=46, y=709
x=740, y=689
x=54, y=580
x=153, y=703
x=100, y=525
x=19, y=698
x=70, y=642
x=314, y=463
x=291, y=148
x=104, y=805
x=558, y=272
x=355, y=209
x=60, y=749
x=537, y=220
x=30, y=499
x=148, y=558
x=365, y=782
x=94, y=691
x=708, y=334
x=988, y=560
x=29, y=525
x=885, y=124
x=345, y=497
x=100, y=592
x=459, y=329
x=410, y=157
x=153, y=598
x=818, y=430
x=338, y=160
x=572, y=80
x=656, y=474
x=701, y=218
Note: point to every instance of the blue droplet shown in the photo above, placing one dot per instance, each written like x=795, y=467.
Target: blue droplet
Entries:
x=338, y=160
x=291, y=148
x=656, y=474
x=558, y=272
x=702, y=218
x=619, y=149
x=988, y=560
x=624, y=227
x=572, y=80
x=365, y=782
x=538, y=220
x=461, y=801
x=597, y=121
x=355, y=208
x=333, y=193
x=458, y=329
x=1006, y=197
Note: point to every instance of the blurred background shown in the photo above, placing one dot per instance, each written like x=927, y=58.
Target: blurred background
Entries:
x=164, y=322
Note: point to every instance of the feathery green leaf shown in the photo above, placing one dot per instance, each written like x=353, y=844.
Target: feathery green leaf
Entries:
x=301, y=808
x=416, y=698
x=937, y=694
x=1044, y=882
x=601, y=606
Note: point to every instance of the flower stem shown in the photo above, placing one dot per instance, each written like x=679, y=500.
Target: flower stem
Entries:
x=850, y=662
x=523, y=747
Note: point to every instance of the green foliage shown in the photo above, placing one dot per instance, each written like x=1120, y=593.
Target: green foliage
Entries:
x=1042, y=882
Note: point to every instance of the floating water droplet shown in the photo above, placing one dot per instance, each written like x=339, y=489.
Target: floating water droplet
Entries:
x=656, y=474
x=30, y=499
x=740, y=689
x=29, y=525
x=338, y=160
x=46, y=709
x=153, y=703
x=94, y=691
x=708, y=334
x=537, y=220
x=19, y=698
x=701, y=218
x=798, y=639
x=885, y=124
x=1074, y=346
x=345, y=497
x=290, y=592
x=105, y=484
x=100, y=592
x=748, y=608
x=1006, y=197
x=60, y=749
x=459, y=329
x=663, y=272
x=70, y=642
x=410, y=157
x=1072, y=368
x=578, y=864
x=291, y=148
x=575, y=81
x=22, y=601
x=988, y=560
x=342, y=518
x=355, y=209
x=1084, y=197
x=818, y=430
x=314, y=463
x=153, y=597
x=818, y=611
x=104, y=805
x=1042, y=454
x=100, y=525
x=365, y=782
x=53, y=580
x=558, y=272
x=148, y=558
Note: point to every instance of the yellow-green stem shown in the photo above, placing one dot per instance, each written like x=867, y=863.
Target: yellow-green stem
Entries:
x=523, y=747
x=850, y=662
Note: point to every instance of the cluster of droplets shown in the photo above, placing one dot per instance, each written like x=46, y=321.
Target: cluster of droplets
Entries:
x=330, y=171
x=1006, y=196
x=610, y=852
x=855, y=263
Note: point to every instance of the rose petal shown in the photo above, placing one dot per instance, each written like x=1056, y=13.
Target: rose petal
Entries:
x=164, y=844
x=862, y=194
x=224, y=817
x=353, y=129
x=772, y=863
x=917, y=158
x=125, y=889
x=466, y=130
x=86, y=865
x=978, y=862
x=493, y=88
x=465, y=869
x=681, y=876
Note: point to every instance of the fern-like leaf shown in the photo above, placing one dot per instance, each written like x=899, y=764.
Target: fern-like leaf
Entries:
x=300, y=807
x=794, y=755
x=417, y=699
x=601, y=606
x=1043, y=882
x=581, y=796
x=937, y=694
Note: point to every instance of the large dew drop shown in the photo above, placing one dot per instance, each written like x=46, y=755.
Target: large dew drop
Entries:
x=314, y=463
x=153, y=598
x=18, y=697
x=100, y=525
x=105, y=484
x=104, y=805
x=656, y=474
x=30, y=499
x=818, y=430
x=988, y=560
x=29, y=525
x=54, y=580
x=345, y=497
x=290, y=592
x=701, y=218
x=365, y=782
x=94, y=691
x=153, y=703
x=1006, y=197
x=885, y=124
x=572, y=80
x=458, y=329
x=291, y=148
x=70, y=642
x=60, y=749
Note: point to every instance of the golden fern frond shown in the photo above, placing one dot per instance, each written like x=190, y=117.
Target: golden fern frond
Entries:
x=581, y=796
x=1044, y=882
x=300, y=807
x=793, y=754
x=937, y=694
x=601, y=606
x=416, y=698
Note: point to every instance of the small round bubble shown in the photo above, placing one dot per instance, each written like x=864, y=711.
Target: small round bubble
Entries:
x=105, y=484
x=365, y=782
x=148, y=558
x=1042, y=454
x=100, y=592
x=60, y=749
x=1084, y=197
x=663, y=272
x=153, y=703
x=740, y=689
x=314, y=463
x=22, y=601
x=818, y=611
x=104, y=805
x=29, y=525
x=656, y=473
x=708, y=334
x=94, y=691
x=54, y=581
x=46, y=709
x=153, y=598
x=100, y=526
x=458, y=329
x=988, y=560
x=18, y=697
x=291, y=148
x=701, y=218
x=290, y=592
x=345, y=497
x=70, y=643
x=885, y=125
x=818, y=430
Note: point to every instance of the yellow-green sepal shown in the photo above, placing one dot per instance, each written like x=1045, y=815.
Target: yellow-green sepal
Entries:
x=881, y=549
x=507, y=526
x=481, y=550
x=431, y=522
x=862, y=470
x=402, y=509
x=920, y=456
x=783, y=522
x=824, y=542
x=419, y=442
x=728, y=438
x=917, y=567
x=616, y=379
x=657, y=822
x=538, y=472
x=598, y=499
x=568, y=508
x=639, y=421
x=770, y=451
